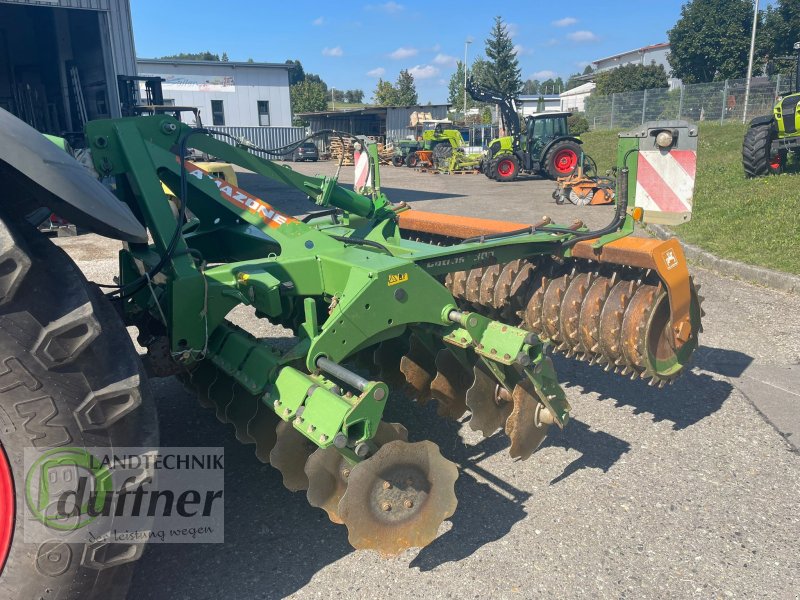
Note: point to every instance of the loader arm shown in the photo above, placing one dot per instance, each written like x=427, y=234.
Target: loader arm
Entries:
x=506, y=103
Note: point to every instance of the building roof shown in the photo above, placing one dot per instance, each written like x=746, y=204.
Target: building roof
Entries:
x=535, y=97
x=584, y=88
x=641, y=50
x=213, y=63
x=367, y=110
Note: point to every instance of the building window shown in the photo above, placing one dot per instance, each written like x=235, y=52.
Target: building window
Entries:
x=217, y=113
x=263, y=113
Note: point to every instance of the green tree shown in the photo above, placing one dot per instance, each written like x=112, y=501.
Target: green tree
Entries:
x=307, y=96
x=354, y=96
x=711, y=40
x=194, y=56
x=505, y=73
x=573, y=81
x=531, y=87
x=224, y=57
x=780, y=31
x=385, y=94
x=406, y=90
x=588, y=70
x=631, y=78
x=455, y=90
x=296, y=72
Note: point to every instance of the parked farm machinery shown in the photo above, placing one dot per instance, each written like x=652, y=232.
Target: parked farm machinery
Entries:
x=457, y=310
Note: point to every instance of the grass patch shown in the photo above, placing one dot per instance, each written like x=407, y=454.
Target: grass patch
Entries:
x=756, y=221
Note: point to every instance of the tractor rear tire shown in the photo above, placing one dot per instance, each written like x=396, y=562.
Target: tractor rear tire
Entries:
x=398, y=161
x=561, y=159
x=756, y=150
x=412, y=160
x=69, y=378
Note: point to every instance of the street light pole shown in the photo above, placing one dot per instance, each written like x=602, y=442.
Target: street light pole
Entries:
x=750, y=63
x=467, y=42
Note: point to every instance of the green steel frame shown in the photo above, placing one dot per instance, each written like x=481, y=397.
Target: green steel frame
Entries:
x=341, y=284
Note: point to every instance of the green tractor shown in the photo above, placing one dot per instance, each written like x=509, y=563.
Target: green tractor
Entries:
x=403, y=149
x=543, y=147
x=770, y=138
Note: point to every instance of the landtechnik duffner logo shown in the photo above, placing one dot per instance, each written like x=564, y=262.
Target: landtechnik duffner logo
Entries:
x=172, y=495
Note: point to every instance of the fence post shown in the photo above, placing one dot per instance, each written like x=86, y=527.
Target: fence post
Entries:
x=724, y=102
x=680, y=101
x=613, y=102
x=644, y=106
x=778, y=87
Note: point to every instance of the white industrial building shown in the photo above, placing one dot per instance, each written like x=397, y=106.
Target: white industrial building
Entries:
x=535, y=103
x=231, y=94
x=574, y=100
x=59, y=60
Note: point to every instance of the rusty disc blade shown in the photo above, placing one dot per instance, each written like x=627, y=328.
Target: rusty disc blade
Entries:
x=199, y=382
x=634, y=326
x=488, y=285
x=289, y=456
x=328, y=471
x=239, y=412
x=221, y=395
x=472, y=293
x=419, y=368
x=459, y=288
x=450, y=385
x=387, y=357
x=551, y=307
x=589, y=321
x=571, y=311
x=502, y=291
x=518, y=295
x=398, y=498
x=533, y=310
x=489, y=412
x=262, y=429
x=524, y=426
x=611, y=321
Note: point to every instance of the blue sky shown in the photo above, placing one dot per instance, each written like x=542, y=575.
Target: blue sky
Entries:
x=351, y=44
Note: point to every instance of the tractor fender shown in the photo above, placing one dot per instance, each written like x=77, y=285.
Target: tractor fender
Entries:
x=563, y=138
x=35, y=172
x=763, y=120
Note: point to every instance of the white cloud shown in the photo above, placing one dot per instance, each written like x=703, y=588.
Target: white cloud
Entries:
x=512, y=29
x=445, y=60
x=336, y=51
x=389, y=7
x=436, y=48
x=403, y=52
x=519, y=50
x=442, y=82
x=582, y=64
x=318, y=21
x=423, y=71
x=552, y=42
x=583, y=36
x=542, y=75
x=376, y=72
x=565, y=22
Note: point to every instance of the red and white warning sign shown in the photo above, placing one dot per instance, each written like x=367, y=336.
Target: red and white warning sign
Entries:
x=363, y=179
x=665, y=183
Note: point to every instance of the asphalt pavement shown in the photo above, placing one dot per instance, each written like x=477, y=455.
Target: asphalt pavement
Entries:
x=688, y=491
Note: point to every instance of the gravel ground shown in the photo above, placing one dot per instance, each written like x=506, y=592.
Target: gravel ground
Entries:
x=682, y=492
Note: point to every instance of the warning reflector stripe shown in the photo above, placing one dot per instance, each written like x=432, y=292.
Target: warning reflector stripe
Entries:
x=665, y=181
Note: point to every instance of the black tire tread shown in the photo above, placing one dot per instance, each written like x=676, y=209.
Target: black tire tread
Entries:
x=71, y=378
x=755, y=150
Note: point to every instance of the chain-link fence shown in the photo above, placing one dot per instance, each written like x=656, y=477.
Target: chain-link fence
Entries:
x=719, y=101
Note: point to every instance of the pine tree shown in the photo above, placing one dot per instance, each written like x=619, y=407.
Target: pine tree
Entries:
x=406, y=90
x=506, y=74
